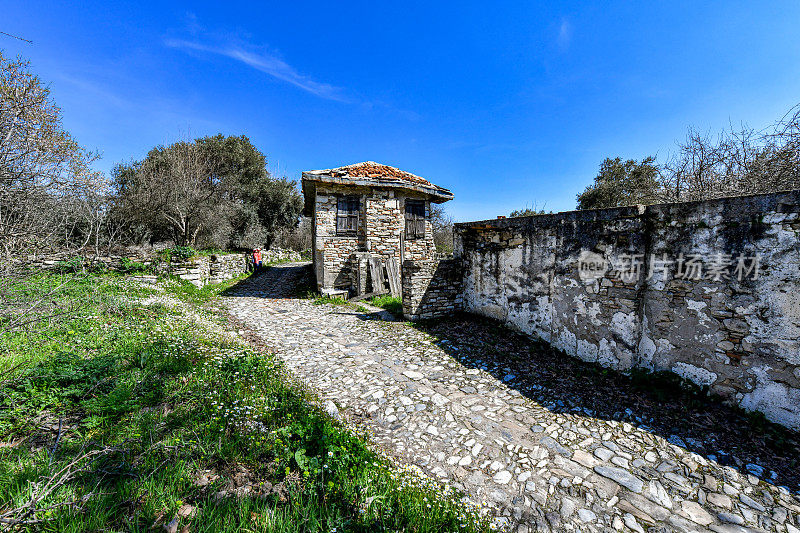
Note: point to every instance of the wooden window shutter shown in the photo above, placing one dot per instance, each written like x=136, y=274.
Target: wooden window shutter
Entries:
x=347, y=208
x=415, y=219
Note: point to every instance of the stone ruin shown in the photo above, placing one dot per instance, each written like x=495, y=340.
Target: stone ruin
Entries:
x=368, y=219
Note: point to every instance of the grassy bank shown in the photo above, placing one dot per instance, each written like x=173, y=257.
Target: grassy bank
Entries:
x=140, y=411
x=391, y=303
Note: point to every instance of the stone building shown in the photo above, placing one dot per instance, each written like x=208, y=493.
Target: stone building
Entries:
x=363, y=211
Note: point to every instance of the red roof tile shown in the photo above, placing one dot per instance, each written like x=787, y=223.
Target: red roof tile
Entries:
x=376, y=172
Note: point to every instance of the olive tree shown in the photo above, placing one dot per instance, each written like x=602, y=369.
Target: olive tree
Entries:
x=622, y=183
x=213, y=191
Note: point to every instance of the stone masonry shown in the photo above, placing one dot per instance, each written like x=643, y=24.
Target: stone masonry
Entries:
x=381, y=224
x=331, y=251
x=340, y=260
x=738, y=335
x=227, y=266
x=431, y=288
x=199, y=270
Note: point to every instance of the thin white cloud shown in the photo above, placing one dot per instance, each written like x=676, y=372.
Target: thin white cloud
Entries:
x=564, y=34
x=95, y=89
x=267, y=63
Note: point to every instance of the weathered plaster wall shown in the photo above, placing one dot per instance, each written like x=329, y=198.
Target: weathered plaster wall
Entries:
x=740, y=338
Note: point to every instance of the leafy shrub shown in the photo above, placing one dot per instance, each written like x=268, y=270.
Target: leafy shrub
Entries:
x=128, y=266
x=74, y=264
x=178, y=253
x=182, y=253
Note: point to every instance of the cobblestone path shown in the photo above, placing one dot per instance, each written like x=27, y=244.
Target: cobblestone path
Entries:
x=541, y=464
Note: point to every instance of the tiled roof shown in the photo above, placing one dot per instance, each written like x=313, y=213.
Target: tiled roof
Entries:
x=372, y=172
x=370, y=169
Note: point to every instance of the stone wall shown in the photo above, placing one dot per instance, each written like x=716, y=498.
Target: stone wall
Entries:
x=431, y=288
x=195, y=270
x=277, y=255
x=332, y=252
x=380, y=232
x=217, y=268
x=384, y=224
x=707, y=290
x=51, y=261
x=199, y=270
x=228, y=266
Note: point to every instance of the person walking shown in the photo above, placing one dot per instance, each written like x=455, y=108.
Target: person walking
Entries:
x=256, y=260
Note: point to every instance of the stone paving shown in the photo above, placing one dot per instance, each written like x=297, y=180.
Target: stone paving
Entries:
x=538, y=465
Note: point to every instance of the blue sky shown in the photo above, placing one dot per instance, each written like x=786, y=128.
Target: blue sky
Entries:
x=509, y=104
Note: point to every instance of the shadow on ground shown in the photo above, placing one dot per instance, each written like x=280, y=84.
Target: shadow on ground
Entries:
x=290, y=280
x=657, y=403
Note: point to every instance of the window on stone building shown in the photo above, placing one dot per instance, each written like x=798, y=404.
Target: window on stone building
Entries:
x=347, y=209
x=415, y=219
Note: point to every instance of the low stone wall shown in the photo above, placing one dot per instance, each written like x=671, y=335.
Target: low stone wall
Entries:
x=199, y=270
x=276, y=255
x=707, y=290
x=224, y=267
x=112, y=262
x=195, y=270
x=431, y=288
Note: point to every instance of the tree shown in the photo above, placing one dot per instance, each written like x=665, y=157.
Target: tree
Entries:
x=50, y=198
x=527, y=212
x=298, y=238
x=442, y=226
x=737, y=161
x=213, y=191
x=43, y=170
x=620, y=183
x=278, y=205
x=171, y=191
x=89, y=202
x=236, y=164
x=258, y=206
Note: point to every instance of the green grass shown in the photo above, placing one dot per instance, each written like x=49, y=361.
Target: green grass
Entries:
x=149, y=385
x=392, y=304
x=330, y=300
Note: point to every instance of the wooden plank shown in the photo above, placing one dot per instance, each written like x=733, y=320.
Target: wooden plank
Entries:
x=394, y=277
x=376, y=271
x=357, y=275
